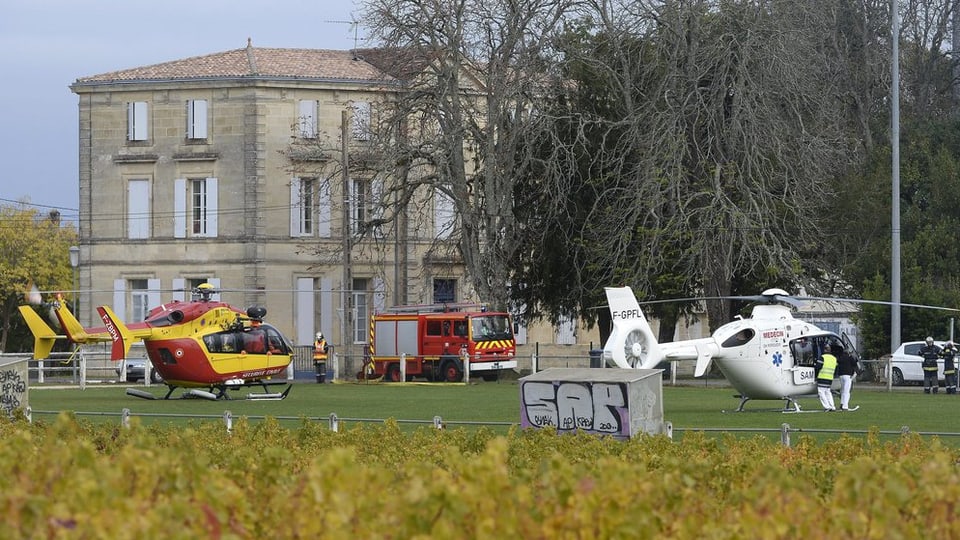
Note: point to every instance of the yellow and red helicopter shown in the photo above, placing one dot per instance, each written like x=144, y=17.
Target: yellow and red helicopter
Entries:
x=205, y=346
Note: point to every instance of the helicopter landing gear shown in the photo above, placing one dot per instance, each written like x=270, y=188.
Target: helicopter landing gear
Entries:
x=218, y=392
x=790, y=405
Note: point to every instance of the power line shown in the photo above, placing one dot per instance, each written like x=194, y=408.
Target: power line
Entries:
x=24, y=203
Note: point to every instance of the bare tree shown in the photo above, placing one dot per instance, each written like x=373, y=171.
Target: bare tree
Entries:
x=472, y=72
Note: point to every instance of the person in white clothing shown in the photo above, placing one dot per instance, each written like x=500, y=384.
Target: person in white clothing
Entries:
x=846, y=369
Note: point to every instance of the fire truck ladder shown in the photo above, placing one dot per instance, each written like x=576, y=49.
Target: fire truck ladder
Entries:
x=437, y=308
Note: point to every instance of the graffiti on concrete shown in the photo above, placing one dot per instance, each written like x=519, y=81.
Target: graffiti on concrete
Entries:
x=594, y=407
x=13, y=389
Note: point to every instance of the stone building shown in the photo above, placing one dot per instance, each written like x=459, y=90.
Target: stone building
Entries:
x=186, y=177
x=228, y=168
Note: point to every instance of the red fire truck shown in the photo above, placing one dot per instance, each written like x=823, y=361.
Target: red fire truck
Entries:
x=435, y=340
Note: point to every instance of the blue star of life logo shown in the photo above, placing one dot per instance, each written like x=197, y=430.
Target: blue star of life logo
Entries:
x=777, y=359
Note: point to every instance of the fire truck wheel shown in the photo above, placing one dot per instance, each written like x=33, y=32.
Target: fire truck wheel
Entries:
x=393, y=373
x=450, y=371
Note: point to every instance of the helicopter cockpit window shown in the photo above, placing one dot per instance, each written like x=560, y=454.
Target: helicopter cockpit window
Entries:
x=275, y=342
x=804, y=352
x=253, y=341
x=740, y=338
x=221, y=342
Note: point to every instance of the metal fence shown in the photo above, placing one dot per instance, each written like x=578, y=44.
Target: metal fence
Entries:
x=91, y=364
x=334, y=424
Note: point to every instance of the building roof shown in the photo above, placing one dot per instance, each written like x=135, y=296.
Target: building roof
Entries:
x=253, y=63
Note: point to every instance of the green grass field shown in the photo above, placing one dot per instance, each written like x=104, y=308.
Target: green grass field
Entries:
x=686, y=407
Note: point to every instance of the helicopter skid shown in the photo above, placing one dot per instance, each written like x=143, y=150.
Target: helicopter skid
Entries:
x=218, y=392
x=790, y=405
x=140, y=394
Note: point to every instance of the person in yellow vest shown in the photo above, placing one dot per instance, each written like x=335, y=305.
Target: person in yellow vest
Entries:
x=320, y=349
x=826, y=366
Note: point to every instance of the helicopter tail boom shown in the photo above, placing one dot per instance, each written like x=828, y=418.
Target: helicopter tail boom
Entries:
x=71, y=326
x=632, y=343
x=43, y=336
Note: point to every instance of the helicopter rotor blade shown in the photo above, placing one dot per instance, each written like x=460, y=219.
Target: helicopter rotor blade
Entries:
x=795, y=301
x=33, y=296
x=875, y=302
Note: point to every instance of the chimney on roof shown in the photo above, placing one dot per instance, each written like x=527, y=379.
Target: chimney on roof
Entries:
x=251, y=58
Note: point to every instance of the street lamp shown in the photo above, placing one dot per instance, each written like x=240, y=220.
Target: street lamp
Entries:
x=75, y=263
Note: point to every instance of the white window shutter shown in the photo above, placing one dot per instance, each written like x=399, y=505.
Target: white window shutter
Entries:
x=211, y=207
x=120, y=298
x=307, y=118
x=295, y=205
x=153, y=293
x=443, y=214
x=138, y=208
x=178, y=292
x=326, y=306
x=565, y=331
x=305, y=309
x=197, y=119
x=180, y=208
x=520, y=333
x=131, y=121
x=137, y=121
x=379, y=295
x=323, y=210
x=361, y=120
x=215, y=281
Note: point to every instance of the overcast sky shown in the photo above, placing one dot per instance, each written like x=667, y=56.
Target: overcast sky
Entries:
x=46, y=45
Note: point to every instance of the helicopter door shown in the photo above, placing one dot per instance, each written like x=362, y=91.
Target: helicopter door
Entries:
x=848, y=346
x=851, y=350
x=804, y=352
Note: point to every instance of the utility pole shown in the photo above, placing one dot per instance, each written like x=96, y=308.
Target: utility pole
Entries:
x=347, y=287
x=895, y=180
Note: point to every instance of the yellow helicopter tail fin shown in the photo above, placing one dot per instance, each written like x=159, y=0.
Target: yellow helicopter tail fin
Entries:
x=632, y=343
x=71, y=326
x=43, y=336
x=119, y=333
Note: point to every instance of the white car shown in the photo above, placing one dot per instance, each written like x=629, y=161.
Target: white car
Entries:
x=136, y=368
x=906, y=363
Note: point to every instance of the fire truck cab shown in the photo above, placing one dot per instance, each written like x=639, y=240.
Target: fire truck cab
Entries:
x=440, y=342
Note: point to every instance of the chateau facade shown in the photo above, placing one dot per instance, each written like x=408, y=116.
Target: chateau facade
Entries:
x=193, y=171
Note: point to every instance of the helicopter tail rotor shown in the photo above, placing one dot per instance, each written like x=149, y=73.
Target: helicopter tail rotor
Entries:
x=632, y=343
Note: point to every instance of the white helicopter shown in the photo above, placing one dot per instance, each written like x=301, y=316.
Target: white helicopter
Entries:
x=768, y=356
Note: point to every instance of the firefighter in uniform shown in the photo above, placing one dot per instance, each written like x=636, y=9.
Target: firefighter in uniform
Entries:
x=826, y=365
x=320, y=349
x=950, y=366
x=930, y=354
